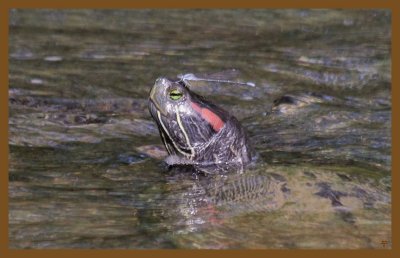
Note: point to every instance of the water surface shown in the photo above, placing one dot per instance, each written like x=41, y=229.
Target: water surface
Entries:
x=86, y=167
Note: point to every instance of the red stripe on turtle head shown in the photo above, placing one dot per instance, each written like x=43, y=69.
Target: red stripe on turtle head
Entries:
x=213, y=119
x=196, y=107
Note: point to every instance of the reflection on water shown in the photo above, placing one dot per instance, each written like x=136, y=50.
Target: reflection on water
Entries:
x=86, y=166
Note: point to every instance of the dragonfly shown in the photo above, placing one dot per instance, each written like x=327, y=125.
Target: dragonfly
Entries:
x=192, y=77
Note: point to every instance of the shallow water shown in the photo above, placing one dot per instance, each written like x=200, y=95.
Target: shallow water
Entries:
x=85, y=167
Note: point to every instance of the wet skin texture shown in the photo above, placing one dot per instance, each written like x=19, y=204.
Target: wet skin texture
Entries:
x=195, y=131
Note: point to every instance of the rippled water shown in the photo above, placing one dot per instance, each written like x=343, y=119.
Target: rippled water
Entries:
x=86, y=166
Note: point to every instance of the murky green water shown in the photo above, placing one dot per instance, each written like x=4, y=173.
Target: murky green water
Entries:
x=84, y=171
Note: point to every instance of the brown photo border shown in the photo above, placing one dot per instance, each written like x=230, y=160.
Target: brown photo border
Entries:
x=6, y=5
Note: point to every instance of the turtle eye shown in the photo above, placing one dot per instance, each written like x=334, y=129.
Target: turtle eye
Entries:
x=175, y=94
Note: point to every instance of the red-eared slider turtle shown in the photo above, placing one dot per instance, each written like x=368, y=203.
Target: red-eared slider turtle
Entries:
x=195, y=131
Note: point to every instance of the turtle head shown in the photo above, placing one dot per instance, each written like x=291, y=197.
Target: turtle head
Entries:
x=167, y=96
x=186, y=121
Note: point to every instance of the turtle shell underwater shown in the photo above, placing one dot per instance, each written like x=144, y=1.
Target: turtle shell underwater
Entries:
x=195, y=131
